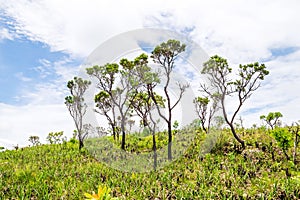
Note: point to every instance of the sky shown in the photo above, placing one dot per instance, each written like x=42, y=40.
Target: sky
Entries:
x=44, y=42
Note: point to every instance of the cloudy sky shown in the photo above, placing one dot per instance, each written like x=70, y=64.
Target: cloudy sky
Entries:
x=43, y=43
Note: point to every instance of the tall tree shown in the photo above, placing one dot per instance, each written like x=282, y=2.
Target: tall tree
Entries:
x=247, y=81
x=131, y=78
x=165, y=55
x=76, y=106
x=104, y=100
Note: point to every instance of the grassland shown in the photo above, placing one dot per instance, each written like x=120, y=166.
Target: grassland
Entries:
x=60, y=171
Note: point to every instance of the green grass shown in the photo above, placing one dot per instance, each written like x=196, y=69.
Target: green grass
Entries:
x=62, y=172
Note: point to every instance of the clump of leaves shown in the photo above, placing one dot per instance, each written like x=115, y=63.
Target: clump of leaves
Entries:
x=55, y=137
x=284, y=139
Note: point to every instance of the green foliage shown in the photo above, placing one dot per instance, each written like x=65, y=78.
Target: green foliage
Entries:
x=60, y=171
x=55, y=137
x=175, y=124
x=283, y=137
x=170, y=49
x=272, y=118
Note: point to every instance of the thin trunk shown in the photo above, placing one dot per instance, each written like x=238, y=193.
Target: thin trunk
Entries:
x=154, y=151
x=80, y=144
x=295, y=149
x=123, y=136
x=203, y=127
x=242, y=142
x=231, y=123
x=286, y=155
x=170, y=141
x=114, y=131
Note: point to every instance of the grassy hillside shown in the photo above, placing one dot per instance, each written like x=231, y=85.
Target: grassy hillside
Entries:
x=62, y=172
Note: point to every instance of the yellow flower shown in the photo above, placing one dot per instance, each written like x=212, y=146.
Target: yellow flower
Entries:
x=133, y=176
x=103, y=194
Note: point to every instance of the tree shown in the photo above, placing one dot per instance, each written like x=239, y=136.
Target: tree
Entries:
x=165, y=55
x=101, y=131
x=35, y=140
x=220, y=121
x=131, y=122
x=272, y=118
x=114, y=100
x=142, y=104
x=132, y=77
x=105, y=106
x=76, y=106
x=201, y=105
x=243, y=86
x=295, y=131
x=55, y=137
x=104, y=100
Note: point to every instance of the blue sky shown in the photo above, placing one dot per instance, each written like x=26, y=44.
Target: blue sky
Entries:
x=19, y=60
x=43, y=43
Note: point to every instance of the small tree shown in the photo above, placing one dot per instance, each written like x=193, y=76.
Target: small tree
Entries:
x=272, y=118
x=106, y=107
x=220, y=121
x=165, y=55
x=205, y=114
x=35, y=140
x=101, y=131
x=76, y=106
x=295, y=130
x=104, y=100
x=243, y=86
x=55, y=137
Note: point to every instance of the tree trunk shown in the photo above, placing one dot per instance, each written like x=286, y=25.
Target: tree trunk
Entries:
x=295, y=149
x=123, y=137
x=154, y=151
x=242, y=142
x=286, y=155
x=114, y=131
x=80, y=143
x=170, y=140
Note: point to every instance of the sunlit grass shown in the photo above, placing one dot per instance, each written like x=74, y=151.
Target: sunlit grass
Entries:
x=60, y=171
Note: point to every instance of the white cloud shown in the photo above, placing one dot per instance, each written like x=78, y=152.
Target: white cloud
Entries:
x=51, y=88
x=5, y=34
x=24, y=121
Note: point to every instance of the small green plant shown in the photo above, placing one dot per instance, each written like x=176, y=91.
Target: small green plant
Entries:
x=284, y=139
x=175, y=126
